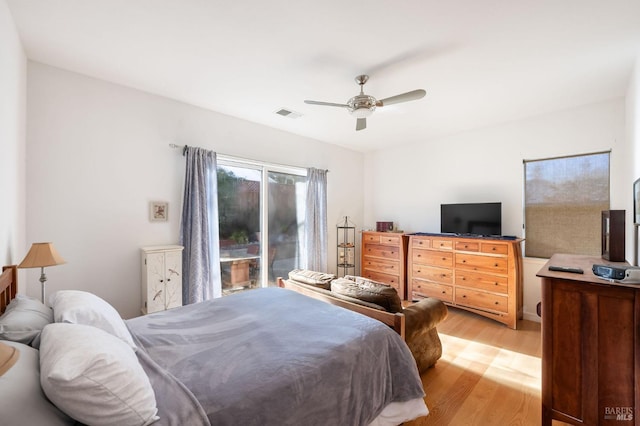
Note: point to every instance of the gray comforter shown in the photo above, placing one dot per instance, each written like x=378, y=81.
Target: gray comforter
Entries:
x=272, y=357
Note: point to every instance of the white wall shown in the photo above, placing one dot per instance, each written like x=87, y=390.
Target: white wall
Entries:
x=98, y=153
x=13, y=85
x=407, y=184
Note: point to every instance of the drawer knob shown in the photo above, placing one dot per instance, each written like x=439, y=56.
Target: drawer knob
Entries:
x=495, y=264
x=444, y=258
x=168, y=279
x=464, y=261
x=464, y=279
x=419, y=271
x=444, y=292
x=493, y=248
x=496, y=283
x=497, y=303
x=464, y=296
x=161, y=281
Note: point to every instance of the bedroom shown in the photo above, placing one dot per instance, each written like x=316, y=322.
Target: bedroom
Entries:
x=73, y=143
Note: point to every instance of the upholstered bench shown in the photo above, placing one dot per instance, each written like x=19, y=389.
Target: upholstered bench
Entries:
x=421, y=318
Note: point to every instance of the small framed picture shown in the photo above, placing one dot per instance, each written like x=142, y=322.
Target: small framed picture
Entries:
x=158, y=211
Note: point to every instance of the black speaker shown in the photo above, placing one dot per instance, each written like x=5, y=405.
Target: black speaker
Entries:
x=613, y=235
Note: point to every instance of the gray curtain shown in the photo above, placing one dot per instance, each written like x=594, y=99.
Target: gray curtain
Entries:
x=316, y=230
x=199, y=228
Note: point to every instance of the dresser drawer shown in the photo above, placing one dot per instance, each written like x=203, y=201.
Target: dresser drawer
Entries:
x=480, y=281
x=418, y=242
x=476, y=262
x=389, y=279
x=481, y=300
x=377, y=250
x=379, y=265
x=370, y=238
x=467, y=245
x=437, y=291
x=430, y=273
x=390, y=240
x=431, y=257
x=442, y=244
x=495, y=248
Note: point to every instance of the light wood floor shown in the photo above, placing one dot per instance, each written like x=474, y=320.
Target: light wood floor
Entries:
x=488, y=374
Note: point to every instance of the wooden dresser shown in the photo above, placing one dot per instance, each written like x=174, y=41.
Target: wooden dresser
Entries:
x=384, y=259
x=590, y=346
x=481, y=275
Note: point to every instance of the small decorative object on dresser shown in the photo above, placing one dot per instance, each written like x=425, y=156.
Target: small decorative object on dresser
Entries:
x=161, y=278
x=384, y=226
x=384, y=259
x=481, y=275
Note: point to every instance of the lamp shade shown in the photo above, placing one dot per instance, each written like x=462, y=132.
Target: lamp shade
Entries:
x=8, y=356
x=41, y=255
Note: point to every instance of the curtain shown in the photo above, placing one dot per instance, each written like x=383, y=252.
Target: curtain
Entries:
x=316, y=231
x=199, y=228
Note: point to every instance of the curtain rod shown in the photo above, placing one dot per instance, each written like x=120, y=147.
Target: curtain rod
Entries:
x=229, y=157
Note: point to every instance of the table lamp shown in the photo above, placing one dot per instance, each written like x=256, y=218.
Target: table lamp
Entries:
x=39, y=256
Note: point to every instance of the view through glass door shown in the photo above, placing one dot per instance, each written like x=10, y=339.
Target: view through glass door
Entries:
x=261, y=216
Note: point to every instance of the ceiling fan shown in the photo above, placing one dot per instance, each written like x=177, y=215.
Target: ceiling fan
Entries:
x=362, y=106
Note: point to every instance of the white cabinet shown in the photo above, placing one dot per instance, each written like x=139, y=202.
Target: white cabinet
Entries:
x=161, y=278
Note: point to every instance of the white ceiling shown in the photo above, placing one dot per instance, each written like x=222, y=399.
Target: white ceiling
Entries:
x=482, y=62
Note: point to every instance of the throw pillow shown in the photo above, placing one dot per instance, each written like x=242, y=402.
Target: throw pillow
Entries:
x=318, y=279
x=369, y=291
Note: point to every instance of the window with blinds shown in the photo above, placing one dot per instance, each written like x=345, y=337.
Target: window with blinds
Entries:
x=563, y=201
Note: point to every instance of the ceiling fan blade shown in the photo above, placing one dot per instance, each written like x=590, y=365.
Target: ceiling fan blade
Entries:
x=409, y=96
x=361, y=124
x=326, y=104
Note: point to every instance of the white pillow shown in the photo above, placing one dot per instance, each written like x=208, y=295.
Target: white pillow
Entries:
x=80, y=307
x=24, y=319
x=22, y=401
x=94, y=377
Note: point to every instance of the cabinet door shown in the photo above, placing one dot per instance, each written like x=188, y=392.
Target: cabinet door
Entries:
x=173, y=275
x=155, y=282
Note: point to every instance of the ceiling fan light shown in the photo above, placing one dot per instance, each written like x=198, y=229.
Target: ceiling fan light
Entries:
x=362, y=112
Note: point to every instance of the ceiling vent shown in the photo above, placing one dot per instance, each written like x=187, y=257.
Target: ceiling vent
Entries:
x=288, y=113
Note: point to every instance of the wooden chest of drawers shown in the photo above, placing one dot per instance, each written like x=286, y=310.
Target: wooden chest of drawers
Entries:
x=384, y=259
x=481, y=275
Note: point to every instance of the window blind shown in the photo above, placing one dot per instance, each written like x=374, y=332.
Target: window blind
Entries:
x=563, y=201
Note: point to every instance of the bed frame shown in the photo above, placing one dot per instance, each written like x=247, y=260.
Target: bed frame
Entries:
x=395, y=321
x=8, y=285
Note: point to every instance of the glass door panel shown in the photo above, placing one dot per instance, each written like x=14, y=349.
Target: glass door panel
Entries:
x=285, y=223
x=239, y=201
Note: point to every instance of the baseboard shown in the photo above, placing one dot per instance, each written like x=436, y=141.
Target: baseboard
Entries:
x=531, y=316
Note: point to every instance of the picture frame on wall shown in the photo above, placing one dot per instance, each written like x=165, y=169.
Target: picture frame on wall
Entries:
x=158, y=211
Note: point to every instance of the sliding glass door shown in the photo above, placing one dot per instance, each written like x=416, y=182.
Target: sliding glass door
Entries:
x=261, y=213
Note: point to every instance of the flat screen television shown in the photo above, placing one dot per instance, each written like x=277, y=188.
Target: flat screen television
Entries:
x=471, y=219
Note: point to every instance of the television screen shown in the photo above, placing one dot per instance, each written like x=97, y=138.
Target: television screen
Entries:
x=471, y=218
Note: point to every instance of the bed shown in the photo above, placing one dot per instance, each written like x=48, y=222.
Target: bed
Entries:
x=261, y=357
